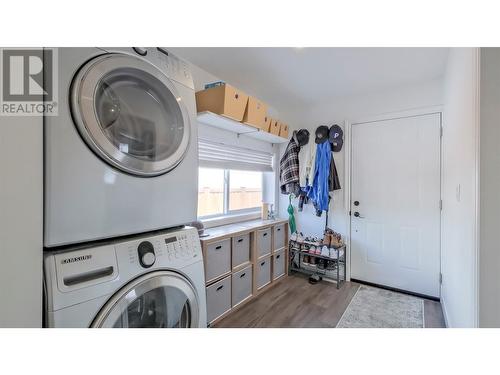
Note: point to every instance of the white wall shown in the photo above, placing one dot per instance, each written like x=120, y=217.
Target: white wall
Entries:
x=355, y=108
x=458, y=237
x=21, y=204
x=489, y=290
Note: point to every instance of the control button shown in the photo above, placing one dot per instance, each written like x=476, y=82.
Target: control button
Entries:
x=146, y=254
x=141, y=50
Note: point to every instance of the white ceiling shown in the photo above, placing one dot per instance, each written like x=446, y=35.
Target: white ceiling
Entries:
x=295, y=78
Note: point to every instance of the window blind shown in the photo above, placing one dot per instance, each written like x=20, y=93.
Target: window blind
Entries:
x=218, y=155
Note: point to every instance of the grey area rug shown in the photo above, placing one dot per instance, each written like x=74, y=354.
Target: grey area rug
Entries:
x=380, y=308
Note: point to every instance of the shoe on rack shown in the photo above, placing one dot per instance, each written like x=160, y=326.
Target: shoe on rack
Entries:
x=330, y=265
x=300, y=237
x=325, y=252
x=317, y=250
x=312, y=261
x=312, y=249
x=305, y=259
x=333, y=253
x=293, y=237
x=321, y=264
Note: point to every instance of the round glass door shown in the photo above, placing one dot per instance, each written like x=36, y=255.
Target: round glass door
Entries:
x=161, y=299
x=128, y=112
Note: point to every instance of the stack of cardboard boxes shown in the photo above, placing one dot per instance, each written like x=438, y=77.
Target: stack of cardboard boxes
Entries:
x=225, y=100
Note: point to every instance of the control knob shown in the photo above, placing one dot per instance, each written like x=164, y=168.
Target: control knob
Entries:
x=146, y=252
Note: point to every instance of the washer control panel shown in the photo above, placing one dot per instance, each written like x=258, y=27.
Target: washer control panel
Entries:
x=174, y=248
x=180, y=246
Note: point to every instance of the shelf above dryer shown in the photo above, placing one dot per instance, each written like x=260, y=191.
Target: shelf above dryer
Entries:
x=222, y=122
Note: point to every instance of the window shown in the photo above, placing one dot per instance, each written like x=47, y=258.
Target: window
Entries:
x=231, y=178
x=228, y=191
x=245, y=190
x=210, y=192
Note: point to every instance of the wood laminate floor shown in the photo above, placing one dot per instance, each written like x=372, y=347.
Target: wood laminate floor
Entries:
x=294, y=303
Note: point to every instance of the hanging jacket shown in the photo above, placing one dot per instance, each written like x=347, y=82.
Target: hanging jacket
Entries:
x=318, y=193
x=333, y=178
x=289, y=169
x=307, y=157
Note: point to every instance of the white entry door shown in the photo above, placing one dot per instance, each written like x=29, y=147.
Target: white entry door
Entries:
x=395, y=203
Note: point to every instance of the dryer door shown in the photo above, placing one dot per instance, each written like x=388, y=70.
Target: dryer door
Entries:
x=160, y=299
x=129, y=113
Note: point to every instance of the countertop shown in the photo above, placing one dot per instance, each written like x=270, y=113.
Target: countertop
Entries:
x=229, y=230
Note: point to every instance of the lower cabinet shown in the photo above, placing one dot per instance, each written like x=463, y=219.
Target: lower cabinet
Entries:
x=218, y=299
x=238, y=267
x=242, y=285
x=263, y=272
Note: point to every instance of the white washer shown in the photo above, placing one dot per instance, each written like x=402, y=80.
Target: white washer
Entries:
x=154, y=282
x=121, y=155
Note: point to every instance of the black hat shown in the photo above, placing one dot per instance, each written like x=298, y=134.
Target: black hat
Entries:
x=303, y=137
x=336, y=136
x=321, y=134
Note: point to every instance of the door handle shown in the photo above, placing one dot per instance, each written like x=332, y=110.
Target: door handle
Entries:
x=356, y=214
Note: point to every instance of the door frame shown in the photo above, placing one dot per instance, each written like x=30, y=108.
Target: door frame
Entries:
x=348, y=124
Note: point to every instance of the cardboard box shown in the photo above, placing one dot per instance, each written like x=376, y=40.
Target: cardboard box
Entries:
x=255, y=114
x=275, y=127
x=223, y=100
x=267, y=125
x=283, y=130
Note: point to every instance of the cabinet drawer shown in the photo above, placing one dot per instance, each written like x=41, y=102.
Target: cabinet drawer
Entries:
x=279, y=236
x=241, y=250
x=263, y=242
x=218, y=299
x=263, y=272
x=278, y=264
x=241, y=287
x=217, y=259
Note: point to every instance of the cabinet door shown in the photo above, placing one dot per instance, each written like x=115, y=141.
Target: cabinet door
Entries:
x=242, y=285
x=264, y=242
x=263, y=272
x=218, y=299
x=278, y=264
x=241, y=250
x=217, y=259
x=279, y=237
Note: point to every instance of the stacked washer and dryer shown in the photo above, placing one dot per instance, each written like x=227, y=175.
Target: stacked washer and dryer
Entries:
x=120, y=169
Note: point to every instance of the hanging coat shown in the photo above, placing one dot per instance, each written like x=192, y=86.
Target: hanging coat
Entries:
x=333, y=179
x=289, y=169
x=318, y=193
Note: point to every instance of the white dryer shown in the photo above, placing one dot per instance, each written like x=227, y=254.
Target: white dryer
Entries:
x=121, y=155
x=154, y=282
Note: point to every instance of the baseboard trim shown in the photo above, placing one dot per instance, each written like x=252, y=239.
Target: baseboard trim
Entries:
x=397, y=290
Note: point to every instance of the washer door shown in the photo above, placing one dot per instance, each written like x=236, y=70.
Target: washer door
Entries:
x=160, y=299
x=130, y=114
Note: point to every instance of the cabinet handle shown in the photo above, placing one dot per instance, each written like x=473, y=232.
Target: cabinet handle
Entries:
x=243, y=275
x=278, y=256
x=279, y=229
x=240, y=240
x=263, y=263
x=219, y=288
x=218, y=247
x=265, y=234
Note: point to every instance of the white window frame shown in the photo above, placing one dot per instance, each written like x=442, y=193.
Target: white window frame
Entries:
x=231, y=216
